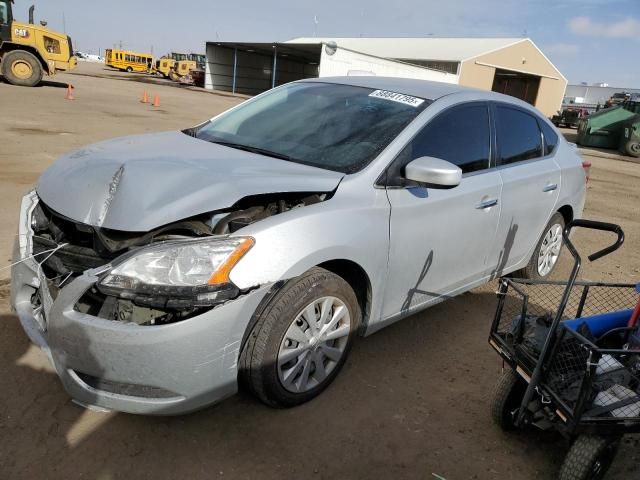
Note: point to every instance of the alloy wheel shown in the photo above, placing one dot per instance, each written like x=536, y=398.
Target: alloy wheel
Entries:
x=549, y=250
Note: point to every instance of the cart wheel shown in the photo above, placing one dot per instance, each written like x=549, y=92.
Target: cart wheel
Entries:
x=507, y=398
x=589, y=458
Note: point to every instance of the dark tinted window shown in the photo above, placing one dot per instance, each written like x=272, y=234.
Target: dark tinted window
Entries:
x=460, y=136
x=550, y=138
x=518, y=135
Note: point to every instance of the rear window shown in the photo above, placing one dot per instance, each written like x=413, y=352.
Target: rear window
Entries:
x=550, y=138
x=518, y=135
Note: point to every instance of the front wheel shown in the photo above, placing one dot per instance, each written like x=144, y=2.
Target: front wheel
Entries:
x=301, y=339
x=547, y=251
x=21, y=68
x=589, y=458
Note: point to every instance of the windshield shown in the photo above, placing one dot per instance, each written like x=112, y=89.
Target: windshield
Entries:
x=331, y=126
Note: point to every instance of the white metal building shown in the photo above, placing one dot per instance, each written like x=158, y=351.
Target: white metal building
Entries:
x=514, y=66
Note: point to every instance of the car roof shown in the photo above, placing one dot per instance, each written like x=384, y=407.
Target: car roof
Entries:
x=408, y=86
x=420, y=88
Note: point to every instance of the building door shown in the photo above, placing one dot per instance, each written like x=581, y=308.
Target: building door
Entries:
x=519, y=85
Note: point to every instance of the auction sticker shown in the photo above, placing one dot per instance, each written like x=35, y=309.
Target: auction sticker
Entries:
x=398, y=97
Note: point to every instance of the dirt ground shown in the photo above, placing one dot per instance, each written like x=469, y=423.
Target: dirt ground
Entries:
x=411, y=402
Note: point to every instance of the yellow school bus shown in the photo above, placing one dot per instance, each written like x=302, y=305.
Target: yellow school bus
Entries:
x=128, y=61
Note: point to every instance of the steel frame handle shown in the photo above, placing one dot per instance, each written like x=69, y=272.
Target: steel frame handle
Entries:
x=594, y=225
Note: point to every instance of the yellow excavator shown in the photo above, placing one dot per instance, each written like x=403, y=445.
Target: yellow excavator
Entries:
x=29, y=51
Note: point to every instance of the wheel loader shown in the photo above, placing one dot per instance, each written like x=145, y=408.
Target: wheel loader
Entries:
x=172, y=66
x=29, y=51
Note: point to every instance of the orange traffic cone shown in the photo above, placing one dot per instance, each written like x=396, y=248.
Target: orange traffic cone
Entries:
x=145, y=97
x=156, y=100
x=69, y=95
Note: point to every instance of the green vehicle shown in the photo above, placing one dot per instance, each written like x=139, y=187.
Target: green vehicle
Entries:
x=606, y=128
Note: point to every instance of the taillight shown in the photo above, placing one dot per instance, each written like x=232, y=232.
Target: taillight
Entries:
x=587, y=170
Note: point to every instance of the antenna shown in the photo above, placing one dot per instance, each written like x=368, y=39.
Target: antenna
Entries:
x=315, y=25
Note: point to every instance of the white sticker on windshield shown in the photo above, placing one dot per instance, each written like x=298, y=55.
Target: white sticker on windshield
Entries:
x=398, y=97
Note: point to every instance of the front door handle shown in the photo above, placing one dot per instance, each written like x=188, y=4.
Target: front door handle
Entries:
x=492, y=202
x=550, y=187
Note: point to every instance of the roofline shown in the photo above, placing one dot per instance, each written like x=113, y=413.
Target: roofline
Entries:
x=395, y=60
x=418, y=38
x=495, y=50
x=516, y=40
x=547, y=59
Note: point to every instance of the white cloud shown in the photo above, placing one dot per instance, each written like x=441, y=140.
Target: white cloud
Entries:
x=626, y=28
x=562, y=48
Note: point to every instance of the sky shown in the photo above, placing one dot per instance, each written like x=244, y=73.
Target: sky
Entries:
x=588, y=40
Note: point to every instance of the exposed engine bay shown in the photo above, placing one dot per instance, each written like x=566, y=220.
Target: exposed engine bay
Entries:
x=65, y=249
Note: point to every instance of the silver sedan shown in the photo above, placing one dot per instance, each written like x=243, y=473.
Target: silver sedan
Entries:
x=161, y=271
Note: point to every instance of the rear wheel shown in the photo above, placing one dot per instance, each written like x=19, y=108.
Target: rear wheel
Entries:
x=547, y=251
x=301, y=339
x=507, y=398
x=589, y=458
x=129, y=69
x=21, y=68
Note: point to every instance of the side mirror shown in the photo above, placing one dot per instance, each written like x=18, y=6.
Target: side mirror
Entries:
x=433, y=171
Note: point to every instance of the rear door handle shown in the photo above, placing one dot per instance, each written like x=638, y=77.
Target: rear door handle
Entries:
x=550, y=187
x=487, y=203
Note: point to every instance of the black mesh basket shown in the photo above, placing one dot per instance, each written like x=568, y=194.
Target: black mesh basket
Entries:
x=590, y=379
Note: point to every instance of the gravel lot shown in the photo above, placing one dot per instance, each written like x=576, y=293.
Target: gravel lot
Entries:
x=411, y=402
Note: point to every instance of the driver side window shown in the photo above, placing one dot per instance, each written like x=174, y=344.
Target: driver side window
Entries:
x=460, y=135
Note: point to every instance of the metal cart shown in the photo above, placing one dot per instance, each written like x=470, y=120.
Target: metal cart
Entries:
x=571, y=353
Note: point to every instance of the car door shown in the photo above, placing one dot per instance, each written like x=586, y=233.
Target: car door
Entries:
x=530, y=185
x=440, y=238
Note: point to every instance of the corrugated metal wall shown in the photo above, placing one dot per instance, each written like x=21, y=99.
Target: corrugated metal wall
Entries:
x=254, y=70
x=593, y=95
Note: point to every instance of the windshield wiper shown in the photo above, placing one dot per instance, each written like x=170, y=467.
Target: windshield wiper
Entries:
x=248, y=148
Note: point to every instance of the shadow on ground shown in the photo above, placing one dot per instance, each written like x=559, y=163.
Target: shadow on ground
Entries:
x=411, y=401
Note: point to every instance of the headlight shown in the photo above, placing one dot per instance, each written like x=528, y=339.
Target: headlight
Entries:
x=186, y=273
x=25, y=230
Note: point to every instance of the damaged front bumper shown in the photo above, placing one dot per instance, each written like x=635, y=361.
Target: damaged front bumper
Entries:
x=151, y=369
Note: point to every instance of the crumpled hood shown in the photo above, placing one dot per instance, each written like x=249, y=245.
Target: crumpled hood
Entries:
x=138, y=183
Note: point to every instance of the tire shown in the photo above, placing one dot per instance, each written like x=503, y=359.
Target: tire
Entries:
x=531, y=271
x=507, y=397
x=21, y=68
x=632, y=148
x=129, y=69
x=589, y=458
x=267, y=355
